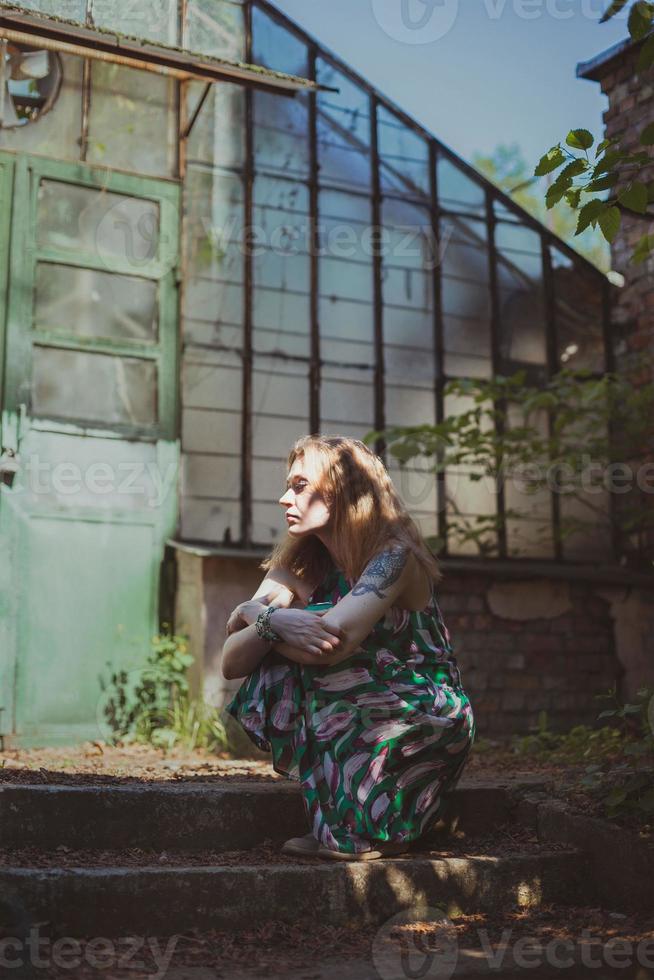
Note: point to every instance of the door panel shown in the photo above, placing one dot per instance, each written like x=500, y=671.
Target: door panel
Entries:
x=7, y=662
x=90, y=407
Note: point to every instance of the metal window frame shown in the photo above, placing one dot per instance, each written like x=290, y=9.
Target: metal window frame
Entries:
x=492, y=194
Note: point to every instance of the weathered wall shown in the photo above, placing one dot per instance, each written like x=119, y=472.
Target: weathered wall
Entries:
x=631, y=108
x=522, y=645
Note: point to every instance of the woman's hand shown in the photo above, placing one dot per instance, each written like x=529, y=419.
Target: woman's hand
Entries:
x=246, y=612
x=235, y=622
x=307, y=631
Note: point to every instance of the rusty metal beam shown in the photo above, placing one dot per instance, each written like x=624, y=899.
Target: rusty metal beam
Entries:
x=71, y=38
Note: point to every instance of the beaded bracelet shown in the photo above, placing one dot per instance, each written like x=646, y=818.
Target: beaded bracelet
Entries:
x=263, y=627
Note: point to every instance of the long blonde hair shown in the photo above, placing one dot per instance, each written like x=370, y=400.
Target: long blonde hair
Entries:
x=366, y=512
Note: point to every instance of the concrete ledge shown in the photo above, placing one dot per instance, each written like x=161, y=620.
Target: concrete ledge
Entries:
x=82, y=901
x=621, y=862
x=197, y=817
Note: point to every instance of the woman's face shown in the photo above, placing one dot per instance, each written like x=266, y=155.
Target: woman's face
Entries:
x=306, y=510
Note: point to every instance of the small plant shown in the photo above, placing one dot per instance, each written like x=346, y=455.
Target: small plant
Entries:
x=152, y=704
x=580, y=743
x=619, y=777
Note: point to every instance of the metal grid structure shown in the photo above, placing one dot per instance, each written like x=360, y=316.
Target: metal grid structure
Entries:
x=420, y=182
x=487, y=289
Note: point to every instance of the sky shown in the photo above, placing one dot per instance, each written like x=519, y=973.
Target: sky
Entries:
x=475, y=73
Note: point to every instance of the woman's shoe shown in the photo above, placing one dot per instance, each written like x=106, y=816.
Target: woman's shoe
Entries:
x=382, y=849
x=301, y=845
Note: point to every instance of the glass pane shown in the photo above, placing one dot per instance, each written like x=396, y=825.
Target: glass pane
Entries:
x=416, y=484
x=411, y=405
x=343, y=130
x=282, y=272
x=529, y=539
x=281, y=134
x=344, y=319
x=218, y=133
x=530, y=532
x=457, y=191
x=466, y=498
x=578, y=315
x=404, y=156
x=522, y=324
x=346, y=277
x=281, y=124
x=466, y=297
x=206, y=430
x=588, y=512
x=70, y=9
x=55, y=133
x=347, y=395
x=93, y=387
x=132, y=120
x=503, y=212
x=213, y=299
x=155, y=20
x=203, y=476
x=212, y=386
x=469, y=504
x=216, y=28
x=280, y=401
x=88, y=219
x=212, y=520
x=95, y=304
x=275, y=47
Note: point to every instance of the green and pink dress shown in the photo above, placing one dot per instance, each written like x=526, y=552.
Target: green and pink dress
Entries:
x=376, y=741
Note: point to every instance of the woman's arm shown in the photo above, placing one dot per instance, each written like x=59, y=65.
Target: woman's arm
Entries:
x=242, y=653
x=244, y=650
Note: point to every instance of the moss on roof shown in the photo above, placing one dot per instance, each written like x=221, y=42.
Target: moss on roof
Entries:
x=143, y=42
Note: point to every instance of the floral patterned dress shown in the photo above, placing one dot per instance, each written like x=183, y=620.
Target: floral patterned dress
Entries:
x=376, y=741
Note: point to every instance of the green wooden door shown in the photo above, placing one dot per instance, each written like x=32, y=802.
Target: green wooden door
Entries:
x=90, y=457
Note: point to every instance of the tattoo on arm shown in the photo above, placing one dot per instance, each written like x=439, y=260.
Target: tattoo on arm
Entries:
x=382, y=571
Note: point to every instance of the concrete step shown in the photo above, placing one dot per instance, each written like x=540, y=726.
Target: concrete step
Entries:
x=105, y=899
x=197, y=816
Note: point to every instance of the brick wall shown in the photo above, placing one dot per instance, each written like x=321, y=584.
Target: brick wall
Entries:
x=513, y=668
x=523, y=643
x=630, y=109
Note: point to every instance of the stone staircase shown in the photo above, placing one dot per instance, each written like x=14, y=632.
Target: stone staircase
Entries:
x=112, y=858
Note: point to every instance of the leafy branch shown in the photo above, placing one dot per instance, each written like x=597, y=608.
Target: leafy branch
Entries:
x=611, y=161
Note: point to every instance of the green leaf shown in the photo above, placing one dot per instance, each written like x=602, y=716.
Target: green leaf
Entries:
x=643, y=249
x=589, y=214
x=573, y=169
x=647, y=135
x=554, y=194
x=640, y=20
x=573, y=197
x=615, y=8
x=634, y=197
x=608, y=161
x=550, y=161
x=603, y=183
x=606, y=143
x=609, y=222
x=580, y=139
